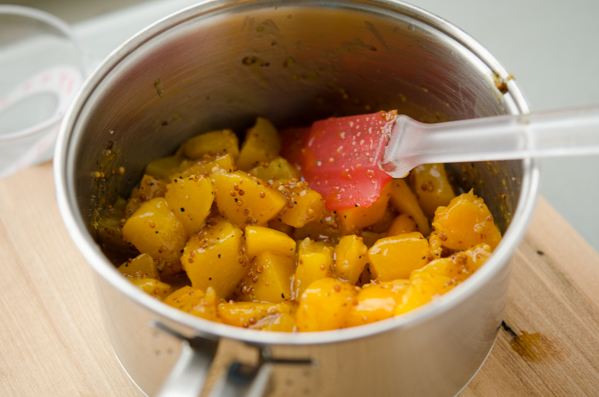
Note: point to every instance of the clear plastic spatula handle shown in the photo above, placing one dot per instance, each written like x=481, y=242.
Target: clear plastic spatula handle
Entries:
x=551, y=134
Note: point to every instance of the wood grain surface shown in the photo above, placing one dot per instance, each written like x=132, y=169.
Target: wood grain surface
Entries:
x=52, y=341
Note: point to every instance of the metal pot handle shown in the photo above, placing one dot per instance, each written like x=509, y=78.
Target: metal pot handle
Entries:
x=243, y=380
x=189, y=374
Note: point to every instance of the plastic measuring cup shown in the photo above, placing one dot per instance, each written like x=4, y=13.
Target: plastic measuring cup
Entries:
x=42, y=66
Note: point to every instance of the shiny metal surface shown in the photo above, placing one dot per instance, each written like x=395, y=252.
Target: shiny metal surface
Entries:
x=221, y=64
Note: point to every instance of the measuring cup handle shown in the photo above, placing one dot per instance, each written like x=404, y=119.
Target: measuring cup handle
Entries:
x=188, y=376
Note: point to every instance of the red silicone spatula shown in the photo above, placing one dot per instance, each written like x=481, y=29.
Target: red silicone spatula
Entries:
x=349, y=159
x=341, y=158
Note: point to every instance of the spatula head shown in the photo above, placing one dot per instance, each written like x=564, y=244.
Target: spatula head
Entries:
x=341, y=158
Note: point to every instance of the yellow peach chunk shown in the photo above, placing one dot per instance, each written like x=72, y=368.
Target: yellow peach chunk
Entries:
x=269, y=280
x=142, y=266
x=432, y=188
x=150, y=187
x=424, y=287
x=163, y=167
x=154, y=229
x=377, y=302
x=153, y=287
x=465, y=222
x=351, y=257
x=204, y=166
x=325, y=305
x=314, y=261
x=185, y=298
x=212, y=143
x=305, y=205
x=280, y=322
x=459, y=266
x=402, y=224
x=475, y=256
x=214, y=258
x=246, y=200
x=396, y=257
x=190, y=198
x=356, y=218
x=277, y=169
x=194, y=301
x=260, y=239
x=406, y=202
x=271, y=316
x=262, y=144
x=436, y=244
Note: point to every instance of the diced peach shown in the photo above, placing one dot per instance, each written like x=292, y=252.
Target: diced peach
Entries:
x=246, y=200
x=153, y=287
x=406, y=202
x=155, y=230
x=396, y=257
x=466, y=222
x=269, y=279
x=377, y=302
x=214, y=258
x=431, y=186
x=351, y=257
x=314, y=261
x=260, y=239
x=402, y=224
x=191, y=198
x=325, y=305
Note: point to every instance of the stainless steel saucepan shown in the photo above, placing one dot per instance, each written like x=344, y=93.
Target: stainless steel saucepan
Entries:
x=219, y=64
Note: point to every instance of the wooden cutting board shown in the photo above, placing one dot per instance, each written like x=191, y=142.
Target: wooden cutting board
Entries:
x=52, y=341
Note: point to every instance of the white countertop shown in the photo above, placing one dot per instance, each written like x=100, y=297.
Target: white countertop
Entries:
x=549, y=46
